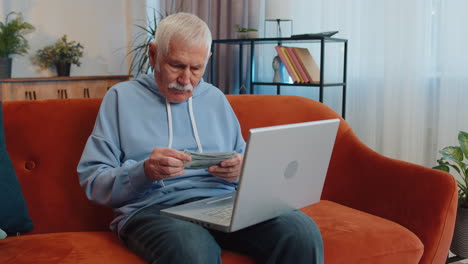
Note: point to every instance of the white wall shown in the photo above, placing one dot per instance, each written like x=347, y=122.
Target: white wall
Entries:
x=104, y=27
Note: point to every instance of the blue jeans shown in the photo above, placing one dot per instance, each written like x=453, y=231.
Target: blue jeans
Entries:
x=290, y=238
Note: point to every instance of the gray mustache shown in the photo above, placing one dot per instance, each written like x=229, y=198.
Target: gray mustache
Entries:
x=180, y=87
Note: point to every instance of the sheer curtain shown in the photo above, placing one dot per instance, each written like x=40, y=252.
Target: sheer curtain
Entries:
x=452, y=71
x=407, y=74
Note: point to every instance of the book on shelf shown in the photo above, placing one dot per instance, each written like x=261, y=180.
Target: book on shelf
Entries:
x=300, y=64
x=293, y=65
x=286, y=63
x=308, y=64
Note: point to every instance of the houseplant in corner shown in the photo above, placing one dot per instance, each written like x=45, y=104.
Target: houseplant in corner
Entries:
x=62, y=54
x=456, y=158
x=12, y=41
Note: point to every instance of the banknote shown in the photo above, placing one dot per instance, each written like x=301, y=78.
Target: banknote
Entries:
x=206, y=159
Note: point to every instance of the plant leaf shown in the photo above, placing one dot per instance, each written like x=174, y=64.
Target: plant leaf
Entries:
x=452, y=153
x=442, y=168
x=463, y=140
x=12, y=40
x=452, y=157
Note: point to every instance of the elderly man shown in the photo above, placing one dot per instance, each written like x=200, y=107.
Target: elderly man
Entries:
x=133, y=160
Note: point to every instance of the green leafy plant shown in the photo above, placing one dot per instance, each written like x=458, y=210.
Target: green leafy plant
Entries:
x=12, y=31
x=62, y=51
x=454, y=157
x=244, y=29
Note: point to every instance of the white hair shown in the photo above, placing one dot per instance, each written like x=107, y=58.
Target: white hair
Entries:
x=188, y=28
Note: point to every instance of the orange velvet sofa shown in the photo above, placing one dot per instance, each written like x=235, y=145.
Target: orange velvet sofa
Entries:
x=374, y=209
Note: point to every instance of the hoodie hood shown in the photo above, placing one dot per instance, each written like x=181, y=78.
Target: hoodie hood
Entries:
x=147, y=80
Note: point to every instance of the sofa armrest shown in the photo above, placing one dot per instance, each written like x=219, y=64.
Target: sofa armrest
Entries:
x=421, y=199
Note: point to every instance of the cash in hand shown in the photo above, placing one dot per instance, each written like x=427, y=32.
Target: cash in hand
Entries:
x=205, y=160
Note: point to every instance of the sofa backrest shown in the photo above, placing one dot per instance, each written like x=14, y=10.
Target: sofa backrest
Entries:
x=45, y=140
x=255, y=111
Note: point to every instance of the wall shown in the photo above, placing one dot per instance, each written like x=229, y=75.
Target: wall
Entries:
x=105, y=28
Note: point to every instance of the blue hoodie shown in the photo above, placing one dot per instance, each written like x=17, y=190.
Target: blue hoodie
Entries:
x=133, y=120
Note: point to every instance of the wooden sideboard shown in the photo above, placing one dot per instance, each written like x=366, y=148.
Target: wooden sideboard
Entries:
x=16, y=89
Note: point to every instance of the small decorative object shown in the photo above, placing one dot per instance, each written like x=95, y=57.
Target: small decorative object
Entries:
x=62, y=54
x=242, y=89
x=277, y=69
x=12, y=41
x=3, y=235
x=246, y=33
x=453, y=158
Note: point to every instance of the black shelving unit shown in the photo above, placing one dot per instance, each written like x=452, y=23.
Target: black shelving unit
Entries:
x=251, y=43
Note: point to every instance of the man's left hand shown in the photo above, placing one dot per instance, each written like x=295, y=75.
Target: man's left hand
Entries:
x=229, y=169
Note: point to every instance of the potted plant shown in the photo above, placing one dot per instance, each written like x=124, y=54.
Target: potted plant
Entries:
x=246, y=33
x=62, y=54
x=12, y=41
x=455, y=157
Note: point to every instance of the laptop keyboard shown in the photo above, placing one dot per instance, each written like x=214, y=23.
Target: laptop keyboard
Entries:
x=224, y=214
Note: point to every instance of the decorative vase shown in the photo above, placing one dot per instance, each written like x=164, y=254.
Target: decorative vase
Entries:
x=459, y=244
x=5, y=67
x=63, y=68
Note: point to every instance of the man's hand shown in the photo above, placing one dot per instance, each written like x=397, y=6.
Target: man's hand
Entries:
x=165, y=163
x=228, y=170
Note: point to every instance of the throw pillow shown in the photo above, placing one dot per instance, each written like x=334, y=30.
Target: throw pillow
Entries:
x=14, y=215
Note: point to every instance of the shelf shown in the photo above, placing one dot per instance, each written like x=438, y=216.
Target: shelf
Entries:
x=65, y=78
x=299, y=84
x=250, y=45
x=276, y=40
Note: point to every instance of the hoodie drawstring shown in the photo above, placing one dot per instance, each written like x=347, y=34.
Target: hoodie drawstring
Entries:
x=192, y=120
x=194, y=125
x=169, y=120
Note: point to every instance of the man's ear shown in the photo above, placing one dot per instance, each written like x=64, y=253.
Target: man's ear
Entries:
x=208, y=58
x=152, y=53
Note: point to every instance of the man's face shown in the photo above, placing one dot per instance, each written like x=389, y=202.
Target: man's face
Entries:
x=179, y=71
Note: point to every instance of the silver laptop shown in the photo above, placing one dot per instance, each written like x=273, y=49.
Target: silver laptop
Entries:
x=284, y=169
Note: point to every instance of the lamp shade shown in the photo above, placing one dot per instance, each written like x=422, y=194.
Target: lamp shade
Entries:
x=278, y=9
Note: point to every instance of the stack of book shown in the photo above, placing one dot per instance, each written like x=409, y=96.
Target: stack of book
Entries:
x=300, y=64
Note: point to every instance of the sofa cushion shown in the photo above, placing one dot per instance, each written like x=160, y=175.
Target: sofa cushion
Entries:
x=13, y=211
x=78, y=248
x=70, y=247
x=352, y=236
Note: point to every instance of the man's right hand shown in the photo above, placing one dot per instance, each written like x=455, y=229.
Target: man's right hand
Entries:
x=165, y=163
